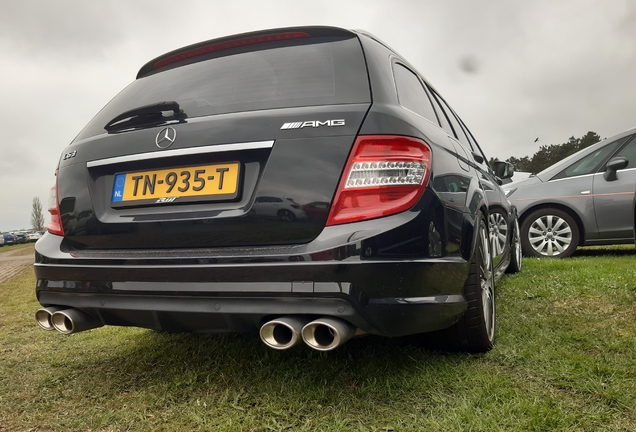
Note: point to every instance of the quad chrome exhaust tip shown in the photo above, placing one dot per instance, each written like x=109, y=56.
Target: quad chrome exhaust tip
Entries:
x=43, y=317
x=282, y=333
x=326, y=334
x=71, y=321
x=64, y=320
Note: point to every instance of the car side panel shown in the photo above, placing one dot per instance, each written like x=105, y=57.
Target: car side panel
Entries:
x=574, y=193
x=613, y=204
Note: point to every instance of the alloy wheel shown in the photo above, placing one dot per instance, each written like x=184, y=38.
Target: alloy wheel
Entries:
x=487, y=283
x=498, y=233
x=550, y=235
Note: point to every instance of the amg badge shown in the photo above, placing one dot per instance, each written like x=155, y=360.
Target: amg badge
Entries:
x=313, y=124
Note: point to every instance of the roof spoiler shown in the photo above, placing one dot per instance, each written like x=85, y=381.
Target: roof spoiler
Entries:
x=186, y=54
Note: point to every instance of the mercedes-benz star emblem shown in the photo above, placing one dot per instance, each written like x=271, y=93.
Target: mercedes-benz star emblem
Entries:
x=166, y=137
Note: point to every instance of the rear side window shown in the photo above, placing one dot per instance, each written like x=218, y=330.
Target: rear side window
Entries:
x=441, y=115
x=459, y=133
x=411, y=94
x=469, y=135
x=322, y=71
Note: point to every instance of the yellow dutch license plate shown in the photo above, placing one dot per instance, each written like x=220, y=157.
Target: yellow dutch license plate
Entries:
x=195, y=183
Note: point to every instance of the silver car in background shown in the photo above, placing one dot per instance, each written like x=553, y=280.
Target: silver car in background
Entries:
x=585, y=199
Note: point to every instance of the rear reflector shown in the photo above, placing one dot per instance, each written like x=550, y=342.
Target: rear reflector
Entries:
x=220, y=46
x=384, y=175
x=55, y=225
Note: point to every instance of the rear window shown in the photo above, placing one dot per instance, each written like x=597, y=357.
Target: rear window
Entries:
x=323, y=71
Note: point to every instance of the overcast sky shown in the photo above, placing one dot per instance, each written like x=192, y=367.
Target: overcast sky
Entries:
x=513, y=70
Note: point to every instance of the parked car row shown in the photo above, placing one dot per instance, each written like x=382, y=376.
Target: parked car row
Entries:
x=11, y=238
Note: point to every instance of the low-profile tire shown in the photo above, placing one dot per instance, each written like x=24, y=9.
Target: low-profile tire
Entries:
x=475, y=330
x=516, y=255
x=549, y=233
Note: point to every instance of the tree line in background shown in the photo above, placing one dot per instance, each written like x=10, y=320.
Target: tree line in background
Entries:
x=550, y=154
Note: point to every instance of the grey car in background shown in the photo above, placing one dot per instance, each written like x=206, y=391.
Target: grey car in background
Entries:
x=586, y=199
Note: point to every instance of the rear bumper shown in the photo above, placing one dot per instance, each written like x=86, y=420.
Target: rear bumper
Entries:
x=202, y=291
x=230, y=313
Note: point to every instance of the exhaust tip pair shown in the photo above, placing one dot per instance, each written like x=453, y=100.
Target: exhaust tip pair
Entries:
x=323, y=334
x=64, y=320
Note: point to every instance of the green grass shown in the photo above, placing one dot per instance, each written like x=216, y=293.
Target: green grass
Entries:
x=565, y=359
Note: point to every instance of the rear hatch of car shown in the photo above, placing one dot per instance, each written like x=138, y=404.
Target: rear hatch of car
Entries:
x=239, y=141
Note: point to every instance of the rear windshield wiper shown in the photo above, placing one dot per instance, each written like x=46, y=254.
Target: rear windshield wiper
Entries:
x=145, y=114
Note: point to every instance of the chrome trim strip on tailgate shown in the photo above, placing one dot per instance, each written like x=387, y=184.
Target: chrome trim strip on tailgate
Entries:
x=182, y=152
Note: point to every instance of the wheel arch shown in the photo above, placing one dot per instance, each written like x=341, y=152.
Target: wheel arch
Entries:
x=500, y=209
x=469, y=231
x=497, y=208
x=568, y=210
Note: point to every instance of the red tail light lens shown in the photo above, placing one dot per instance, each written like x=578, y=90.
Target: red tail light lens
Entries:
x=220, y=46
x=55, y=225
x=384, y=175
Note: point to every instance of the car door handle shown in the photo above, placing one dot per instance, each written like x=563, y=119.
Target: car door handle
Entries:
x=587, y=192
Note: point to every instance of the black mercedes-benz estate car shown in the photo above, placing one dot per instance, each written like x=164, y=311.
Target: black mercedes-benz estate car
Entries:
x=306, y=183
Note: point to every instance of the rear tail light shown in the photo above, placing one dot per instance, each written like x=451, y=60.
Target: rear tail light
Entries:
x=55, y=225
x=384, y=175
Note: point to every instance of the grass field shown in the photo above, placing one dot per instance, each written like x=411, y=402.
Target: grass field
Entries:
x=565, y=359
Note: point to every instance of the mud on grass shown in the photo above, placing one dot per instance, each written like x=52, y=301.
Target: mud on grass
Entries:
x=564, y=360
